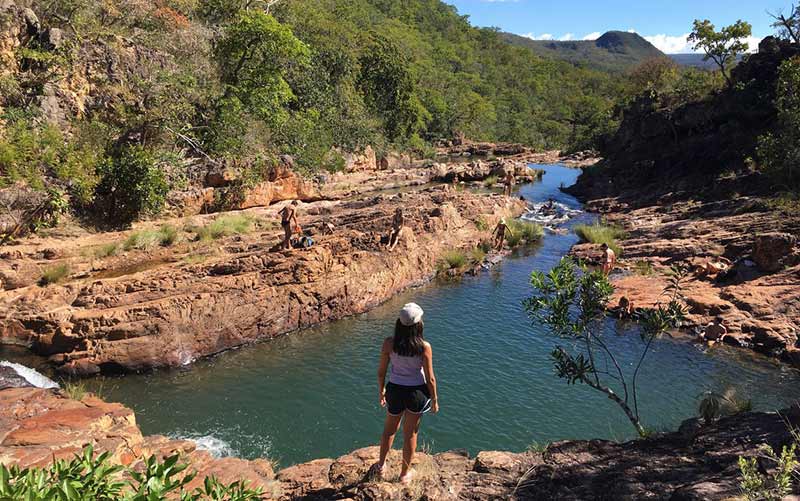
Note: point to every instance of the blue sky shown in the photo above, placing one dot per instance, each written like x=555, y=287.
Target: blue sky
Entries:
x=664, y=22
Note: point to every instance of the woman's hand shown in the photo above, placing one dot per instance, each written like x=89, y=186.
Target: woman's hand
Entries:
x=435, y=406
x=382, y=398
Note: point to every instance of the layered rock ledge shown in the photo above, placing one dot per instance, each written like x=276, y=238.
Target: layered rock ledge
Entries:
x=698, y=462
x=757, y=291
x=169, y=306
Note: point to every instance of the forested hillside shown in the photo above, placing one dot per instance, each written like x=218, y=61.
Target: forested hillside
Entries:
x=615, y=51
x=114, y=102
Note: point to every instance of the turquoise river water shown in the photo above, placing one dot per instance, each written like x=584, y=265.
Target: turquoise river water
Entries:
x=313, y=393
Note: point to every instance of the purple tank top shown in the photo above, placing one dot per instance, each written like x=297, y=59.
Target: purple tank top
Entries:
x=406, y=371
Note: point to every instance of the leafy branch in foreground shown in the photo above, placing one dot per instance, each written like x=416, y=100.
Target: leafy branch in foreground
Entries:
x=572, y=302
x=757, y=486
x=91, y=478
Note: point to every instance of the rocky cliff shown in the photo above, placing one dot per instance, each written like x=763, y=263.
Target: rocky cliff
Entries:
x=166, y=306
x=696, y=463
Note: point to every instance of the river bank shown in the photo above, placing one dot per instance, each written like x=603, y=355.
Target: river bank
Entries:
x=171, y=302
x=751, y=239
x=697, y=462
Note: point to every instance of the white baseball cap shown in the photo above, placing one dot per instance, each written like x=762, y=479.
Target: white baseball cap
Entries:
x=410, y=314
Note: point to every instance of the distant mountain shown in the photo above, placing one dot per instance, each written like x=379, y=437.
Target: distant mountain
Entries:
x=614, y=51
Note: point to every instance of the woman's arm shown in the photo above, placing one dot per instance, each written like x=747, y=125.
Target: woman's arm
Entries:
x=383, y=365
x=430, y=378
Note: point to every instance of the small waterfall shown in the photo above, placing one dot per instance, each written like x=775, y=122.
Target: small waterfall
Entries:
x=32, y=376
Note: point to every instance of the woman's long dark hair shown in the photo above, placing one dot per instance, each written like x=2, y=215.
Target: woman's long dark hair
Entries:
x=408, y=340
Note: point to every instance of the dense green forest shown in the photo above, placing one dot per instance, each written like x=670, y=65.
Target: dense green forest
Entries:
x=108, y=105
x=131, y=88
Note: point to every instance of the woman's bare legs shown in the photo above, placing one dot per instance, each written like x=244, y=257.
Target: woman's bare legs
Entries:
x=390, y=427
x=410, y=428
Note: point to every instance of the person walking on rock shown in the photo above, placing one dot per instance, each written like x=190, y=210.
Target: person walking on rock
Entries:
x=398, y=221
x=411, y=390
x=289, y=223
x=508, y=183
x=499, y=234
x=609, y=259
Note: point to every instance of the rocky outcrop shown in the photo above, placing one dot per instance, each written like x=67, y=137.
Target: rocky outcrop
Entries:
x=757, y=293
x=171, y=310
x=697, y=463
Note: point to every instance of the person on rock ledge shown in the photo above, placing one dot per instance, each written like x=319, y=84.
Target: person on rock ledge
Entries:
x=609, y=258
x=508, y=183
x=411, y=390
x=398, y=221
x=499, y=234
x=289, y=223
x=714, y=332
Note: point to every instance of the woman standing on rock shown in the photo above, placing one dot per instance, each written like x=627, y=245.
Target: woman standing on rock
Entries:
x=411, y=390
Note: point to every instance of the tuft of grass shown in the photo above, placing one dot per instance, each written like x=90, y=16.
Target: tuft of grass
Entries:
x=225, y=226
x=490, y=181
x=538, y=447
x=106, y=250
x=54, y=274
x=485, y=246
x=148, y=239
x=482, y=224
x=601, y=234
x=75, y=390
x=477, y=255
x=643, y=267
x=454, y=259
x=714, y=405
x=523, y=231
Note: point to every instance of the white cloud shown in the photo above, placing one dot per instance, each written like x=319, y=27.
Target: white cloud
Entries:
x=543, y=36
x=669, y=44
x=567, y=36
x=592, y=36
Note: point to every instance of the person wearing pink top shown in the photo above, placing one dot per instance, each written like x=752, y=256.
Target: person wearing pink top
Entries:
x=411, y=389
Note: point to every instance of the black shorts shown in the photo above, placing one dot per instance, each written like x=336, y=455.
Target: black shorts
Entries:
x=414, y=399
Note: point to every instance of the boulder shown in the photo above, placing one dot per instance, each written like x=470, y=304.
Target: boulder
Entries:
x=364, y=160
x=394, y=160
x=773, y=251
x=10, y=379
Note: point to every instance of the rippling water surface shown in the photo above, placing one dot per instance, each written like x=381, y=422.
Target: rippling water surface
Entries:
x=313, y=394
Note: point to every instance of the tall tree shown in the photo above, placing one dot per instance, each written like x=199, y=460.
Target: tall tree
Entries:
x=788, y=26
x=722, y=47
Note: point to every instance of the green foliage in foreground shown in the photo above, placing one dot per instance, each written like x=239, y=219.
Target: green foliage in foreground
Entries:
x=601, y=234
x=757, y=486
x=149, y=239
x=92, y=478
x=572, y=302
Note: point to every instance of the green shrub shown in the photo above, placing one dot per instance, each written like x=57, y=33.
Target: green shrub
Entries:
x=225, y=226
x=714, y=406
x=149, y=239
x=105, y=250
x=75, y=390
x=490, y=181
x=131, y=186
x=598, y=233
x=780, y=150
x=54, y=274
x=527, y=231
x=454, y=259
x=643, y=267
x=88, y=477
x=756, y=486
x=477, y=255
x=482, y=224
x=485, y=246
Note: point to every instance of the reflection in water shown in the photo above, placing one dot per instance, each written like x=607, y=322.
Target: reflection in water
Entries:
x=312, y=394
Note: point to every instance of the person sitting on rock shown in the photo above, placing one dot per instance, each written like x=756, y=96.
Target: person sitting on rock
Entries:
x=715, y=331
x=499, y=234
x=398, y=222
x=625, y=308
x=411, y=390
x=609, y=259
x=289, y=223
x=508, y=183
